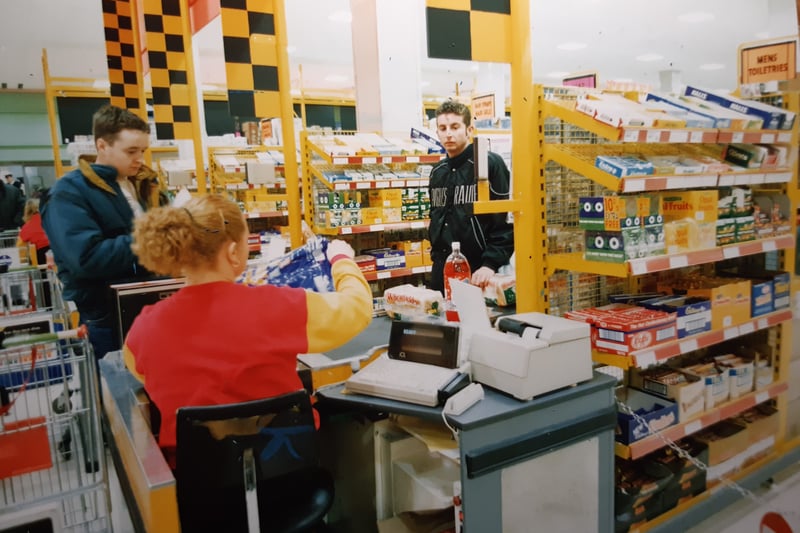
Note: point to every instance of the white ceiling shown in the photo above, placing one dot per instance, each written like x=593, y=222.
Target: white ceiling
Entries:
x=691, y=36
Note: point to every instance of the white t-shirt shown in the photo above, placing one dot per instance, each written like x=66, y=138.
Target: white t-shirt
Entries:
x=130, y=194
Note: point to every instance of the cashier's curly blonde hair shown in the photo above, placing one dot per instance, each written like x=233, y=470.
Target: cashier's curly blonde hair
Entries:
x=167, y=239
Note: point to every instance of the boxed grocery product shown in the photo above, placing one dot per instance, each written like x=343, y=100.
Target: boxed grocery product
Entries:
x=426, y=252
x=745, y=228
x=734, y=202
x=699, y=205
x=777, y=208
x=740, y=373
x=622, y=166
x=655, y=413
x=729, y=297
x=412, y=251
x=692, y=120
x=762, y=422
x=688, y=392
x=366, y=263
x=738, y=121
x=408, y=302
x=621, y=246
x=689, y=234
x=746, y=155
x=612, y=213
x=717, y=121
x=372, y=215
x=622, y=329
x=385, y=197
x=636, y=482
x=682, y=468
x=693, y=313
x=717, y=382
x=773, y=118
x=726, y=231
x=386, y=258
x=725, y=440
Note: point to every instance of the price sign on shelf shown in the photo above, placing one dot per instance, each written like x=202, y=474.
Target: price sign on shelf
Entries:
x=746, y=328
x=688, y=346
x=769, y=246
x=413, y=159
x=737, y=137
x=696, y=137
x=767, y=138
x=692, y=427
x=730, y=252
x=762, y=396
x=678, y=261
x=369, y=160
x=678, y=136
x=653, y=136
x=630, y=136
x=384, y=275
x=417, y=224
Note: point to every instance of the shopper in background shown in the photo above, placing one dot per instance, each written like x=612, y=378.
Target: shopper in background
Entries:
x=88, y=217
x=216, y=341
x=32, y=231
x=15, y=183
x=486, y=240
x=12, y=205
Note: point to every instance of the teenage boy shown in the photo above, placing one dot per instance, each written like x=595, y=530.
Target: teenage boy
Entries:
x=487, y=241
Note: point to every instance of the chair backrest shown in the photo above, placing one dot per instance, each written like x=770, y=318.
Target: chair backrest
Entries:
x=270, y=443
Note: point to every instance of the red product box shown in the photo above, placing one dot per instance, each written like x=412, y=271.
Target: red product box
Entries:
x=622, y=329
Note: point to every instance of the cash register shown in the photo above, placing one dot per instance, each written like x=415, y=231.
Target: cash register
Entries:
x=524, y=355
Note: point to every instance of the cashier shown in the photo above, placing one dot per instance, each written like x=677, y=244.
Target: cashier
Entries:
x=486, y=240
x=216, y=341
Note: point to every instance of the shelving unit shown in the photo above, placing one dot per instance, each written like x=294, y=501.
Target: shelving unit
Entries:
x=569, y=142
x=330, y=166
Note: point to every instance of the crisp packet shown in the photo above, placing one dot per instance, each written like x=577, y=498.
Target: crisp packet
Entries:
x=305, y=267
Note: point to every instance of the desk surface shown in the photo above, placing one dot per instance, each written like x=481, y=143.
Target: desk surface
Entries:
x=495, y=405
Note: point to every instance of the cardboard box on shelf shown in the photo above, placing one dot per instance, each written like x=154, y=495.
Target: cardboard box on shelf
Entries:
x=717, y=382
x=730, y=297
x=741, y=373
x=622, y=329
x=412, y=251
x=762, y=422
x=656, y=413
x=693, y=313
x=725, y=440
x=687, y=391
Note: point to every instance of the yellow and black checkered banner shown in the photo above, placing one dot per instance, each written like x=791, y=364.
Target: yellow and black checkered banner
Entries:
x=251, y=59
x=167, y=58
x=124, y=76
x=474, y=30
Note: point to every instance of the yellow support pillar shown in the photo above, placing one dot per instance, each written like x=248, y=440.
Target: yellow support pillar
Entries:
x=51, y=115
x=287, y=126
x=194, y=112
x=530, y=241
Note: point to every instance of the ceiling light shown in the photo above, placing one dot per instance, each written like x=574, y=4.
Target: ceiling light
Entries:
x=712, y=66
x=557, y=75
x=341, y=16
x=571, y=45
x=336, y=78
x=649, y=57
x=694, y=17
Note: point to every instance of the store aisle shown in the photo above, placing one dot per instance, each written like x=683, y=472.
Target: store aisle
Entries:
x=120, y=519
x=745, y=516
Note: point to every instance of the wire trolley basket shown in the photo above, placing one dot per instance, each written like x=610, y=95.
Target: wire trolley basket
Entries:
x=52, y=460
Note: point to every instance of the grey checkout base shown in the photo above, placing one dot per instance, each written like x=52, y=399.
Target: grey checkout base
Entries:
x=547, y=461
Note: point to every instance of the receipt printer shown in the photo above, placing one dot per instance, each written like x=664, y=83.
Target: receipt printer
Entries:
x=530, y=354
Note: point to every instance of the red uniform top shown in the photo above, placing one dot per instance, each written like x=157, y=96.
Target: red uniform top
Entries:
x=219, y=343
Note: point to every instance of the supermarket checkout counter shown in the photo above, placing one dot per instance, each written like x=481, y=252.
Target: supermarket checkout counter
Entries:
x=503, y=444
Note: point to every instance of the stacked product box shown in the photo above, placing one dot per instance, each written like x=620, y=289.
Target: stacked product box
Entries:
x=654, y=414
x=620, y=228
x=727, y=442
x=735, y=217
x=690, y=220
x=335, y=209
x=637, y=497
x=771, y=213
x=623, y=166
x=693, y=313
x=688, y=392
x=387, y=258
x=729, y=297
x=688, y=479
x=715, y=379
x=412, y=251
x=623, y=329
x=773, y=118
x=770, y=290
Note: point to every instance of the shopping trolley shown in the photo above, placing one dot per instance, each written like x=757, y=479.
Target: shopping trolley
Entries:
x=11, y=256
x=48, y=391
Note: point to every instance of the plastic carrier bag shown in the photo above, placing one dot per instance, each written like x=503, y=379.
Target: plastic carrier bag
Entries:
x=305, y=267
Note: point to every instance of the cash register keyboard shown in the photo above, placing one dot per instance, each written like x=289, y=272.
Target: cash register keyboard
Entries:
x=401, y=380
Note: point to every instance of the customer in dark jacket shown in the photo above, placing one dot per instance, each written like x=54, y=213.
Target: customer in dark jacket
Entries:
x=12, y=205
x=487, y=241
x=88, y=217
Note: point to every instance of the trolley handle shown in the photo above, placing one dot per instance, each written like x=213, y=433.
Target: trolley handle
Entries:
x=80, y=332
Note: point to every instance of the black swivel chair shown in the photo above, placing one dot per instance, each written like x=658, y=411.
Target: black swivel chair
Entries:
x=251, y=466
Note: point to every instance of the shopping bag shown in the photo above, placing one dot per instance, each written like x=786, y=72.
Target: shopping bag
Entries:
x=306, y=267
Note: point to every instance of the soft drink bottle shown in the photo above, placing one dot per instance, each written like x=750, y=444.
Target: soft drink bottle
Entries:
x=455, y=267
